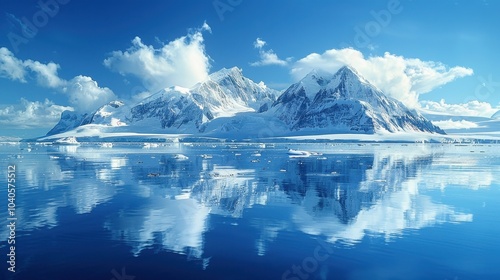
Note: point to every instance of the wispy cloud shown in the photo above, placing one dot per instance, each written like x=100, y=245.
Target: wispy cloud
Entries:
x=83, y=92
x=46, y=74
x=259, y=43
x=267, y=57
x=451, y=124
x=402, y=78
x=472, y=108
x=11, y=67
x=182, y=61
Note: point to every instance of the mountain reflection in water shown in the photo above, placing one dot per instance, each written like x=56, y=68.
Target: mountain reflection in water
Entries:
x=153, y=199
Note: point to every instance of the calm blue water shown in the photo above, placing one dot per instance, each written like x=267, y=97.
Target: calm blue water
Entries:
x=248, y=211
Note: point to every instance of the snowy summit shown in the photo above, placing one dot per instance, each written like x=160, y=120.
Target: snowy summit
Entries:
x=346, y=102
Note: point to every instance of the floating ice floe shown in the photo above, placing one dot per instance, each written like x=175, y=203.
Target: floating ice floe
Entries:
x=299, y=153
x=107, y=145
x=67, y=141
x=150, y=145
x=180, y=157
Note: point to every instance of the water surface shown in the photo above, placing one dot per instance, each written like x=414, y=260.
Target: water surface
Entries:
x=250, y=211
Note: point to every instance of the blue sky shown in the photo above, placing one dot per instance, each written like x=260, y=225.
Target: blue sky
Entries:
x=439, y=55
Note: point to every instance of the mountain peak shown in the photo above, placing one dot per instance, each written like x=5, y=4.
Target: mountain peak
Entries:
x=224, y=72
x=116, y=103
x=347, y=68
x=345, y=102
x=318, y=73
x=351, y=73
x=322, y=77
x=228, y=102
x=348, y=75
x=319, y=76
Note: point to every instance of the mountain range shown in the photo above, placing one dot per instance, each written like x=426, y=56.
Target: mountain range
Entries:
x=229, y=105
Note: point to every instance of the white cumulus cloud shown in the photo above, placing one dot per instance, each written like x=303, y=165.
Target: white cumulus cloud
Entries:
x=472, y=108
x=259, y=43
x=267, y=57
x=402, y=78
x=181, y=62
x=10, y=66
x=451, y=124
x=46, y=74
x=31, y=114
x=83, y=92
x=140, y=96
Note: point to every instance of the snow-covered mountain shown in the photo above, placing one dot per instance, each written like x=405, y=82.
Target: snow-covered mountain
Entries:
x=70, y=120
x=224, y=94
x=228, y=104
x=229, y=89
x=346, y=102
